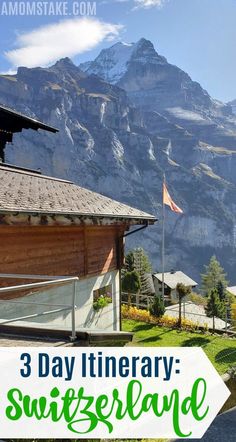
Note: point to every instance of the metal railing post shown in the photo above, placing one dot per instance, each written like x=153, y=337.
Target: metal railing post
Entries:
x=73, y=307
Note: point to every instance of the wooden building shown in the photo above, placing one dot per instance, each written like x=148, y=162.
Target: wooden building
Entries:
x=53, y=227
x=171, y=279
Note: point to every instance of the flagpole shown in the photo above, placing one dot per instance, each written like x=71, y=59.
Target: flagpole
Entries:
x=163, y=240
x=166, y=200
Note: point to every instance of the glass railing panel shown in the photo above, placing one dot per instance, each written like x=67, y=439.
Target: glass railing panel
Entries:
x=46, y=305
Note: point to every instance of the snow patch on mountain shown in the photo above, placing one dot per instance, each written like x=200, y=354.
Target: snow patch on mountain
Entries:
x=184, y=114
x=151, y=151
x=233, y=106
x=118, y=149
x=111, y=64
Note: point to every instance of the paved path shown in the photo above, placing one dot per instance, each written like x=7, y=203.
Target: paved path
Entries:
x=195, y=313
x=223, y=429
x=14, y=341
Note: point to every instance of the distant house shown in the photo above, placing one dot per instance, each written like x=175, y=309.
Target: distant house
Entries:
x=171, y=280
x=53, y=227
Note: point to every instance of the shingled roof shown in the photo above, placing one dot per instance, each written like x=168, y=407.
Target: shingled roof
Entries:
x=171, y=279
x=24, y=191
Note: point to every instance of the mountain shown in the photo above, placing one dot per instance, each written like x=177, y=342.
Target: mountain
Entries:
x=153, y=84
x=112, y=63
x=118, y=141
x=148, y=78
x=232, y=104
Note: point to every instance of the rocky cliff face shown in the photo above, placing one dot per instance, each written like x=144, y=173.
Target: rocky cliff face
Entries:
x=149, y=79
x=124, y=119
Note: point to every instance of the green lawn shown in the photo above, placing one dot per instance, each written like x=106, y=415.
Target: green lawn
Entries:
x=220, y=350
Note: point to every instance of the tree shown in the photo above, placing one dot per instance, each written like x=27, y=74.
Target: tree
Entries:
x=221, y=291
x=141, y=261
x=214, y=273
x=215, y=307
x=138, y=260
x=129, y=261
x=182, y=291
x=157, y=308
x=143, y=266
x=147, y=285
x=131, y=284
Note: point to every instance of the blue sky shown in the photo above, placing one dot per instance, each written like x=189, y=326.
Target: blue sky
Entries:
x=197, y=35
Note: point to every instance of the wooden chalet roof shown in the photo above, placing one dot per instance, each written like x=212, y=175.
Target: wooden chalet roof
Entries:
x=13, y=121
x=25, y=191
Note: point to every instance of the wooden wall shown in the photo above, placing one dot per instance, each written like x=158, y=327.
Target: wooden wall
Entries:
x=47, y=250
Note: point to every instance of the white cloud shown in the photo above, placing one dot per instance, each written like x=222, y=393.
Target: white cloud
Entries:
x=149, y=3
x=44, y=45
x=9, y=72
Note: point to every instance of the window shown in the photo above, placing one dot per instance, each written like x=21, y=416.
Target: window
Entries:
x=103, y=292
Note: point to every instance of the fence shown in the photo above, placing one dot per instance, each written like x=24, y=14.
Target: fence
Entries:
x=19, y=304
x=137, y=300
x=189, y=310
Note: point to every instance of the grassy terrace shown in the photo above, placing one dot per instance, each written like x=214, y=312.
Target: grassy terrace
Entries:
x=220, y=350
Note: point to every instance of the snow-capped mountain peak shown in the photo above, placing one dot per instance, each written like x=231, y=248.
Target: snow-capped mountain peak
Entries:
x=112, y=63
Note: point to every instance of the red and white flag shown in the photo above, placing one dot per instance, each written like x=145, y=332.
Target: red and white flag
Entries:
x=169, y=202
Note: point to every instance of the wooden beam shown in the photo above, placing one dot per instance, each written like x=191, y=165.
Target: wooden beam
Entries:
x=85, y=251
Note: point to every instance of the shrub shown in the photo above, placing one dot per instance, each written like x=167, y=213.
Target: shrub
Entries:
x=232, y=372
x=101, y=302
x=157, y=308
x=137, y=314
x=197, y=299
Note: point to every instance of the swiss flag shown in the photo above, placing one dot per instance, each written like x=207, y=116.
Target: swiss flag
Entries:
x=169, y=202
